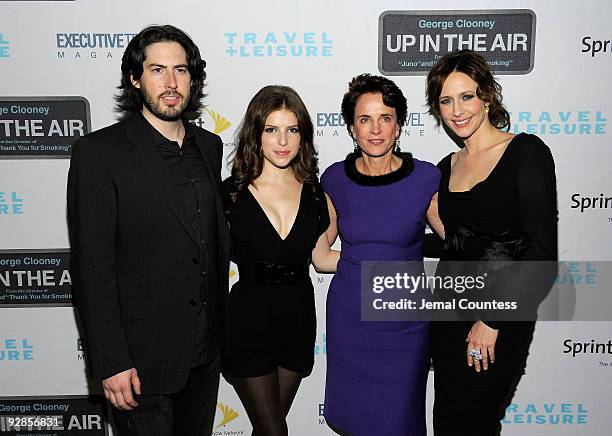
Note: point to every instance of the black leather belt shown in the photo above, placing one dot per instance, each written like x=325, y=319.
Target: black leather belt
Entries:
x=268, y=273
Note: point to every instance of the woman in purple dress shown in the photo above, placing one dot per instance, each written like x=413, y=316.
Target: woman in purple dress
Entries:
x=378, y=199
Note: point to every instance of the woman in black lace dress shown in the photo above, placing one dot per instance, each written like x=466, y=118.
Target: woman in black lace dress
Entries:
x=496, y=203
x=278, y=216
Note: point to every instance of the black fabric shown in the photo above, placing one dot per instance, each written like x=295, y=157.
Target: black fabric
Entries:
x=192, y=182
x=189, y=412
x=135, y=258
x=274, y=325
x=267, y=273
x=512, y=214
x=514, y=208
x=433, y=246
x=386, y=179
x=466, y=402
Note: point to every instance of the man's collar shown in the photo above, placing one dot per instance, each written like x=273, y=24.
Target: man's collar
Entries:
x=159, y=139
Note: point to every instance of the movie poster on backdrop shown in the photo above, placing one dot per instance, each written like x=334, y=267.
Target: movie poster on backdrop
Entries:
x=42, y=127
x=410, y=42
x=58, y=416
x=35, y=278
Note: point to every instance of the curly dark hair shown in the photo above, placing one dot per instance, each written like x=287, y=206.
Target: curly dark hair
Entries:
x=475, y=66
x=129, y=98
x=367, y=83
x=248, y=159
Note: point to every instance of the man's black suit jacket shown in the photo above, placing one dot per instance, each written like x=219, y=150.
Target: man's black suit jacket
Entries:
x=135, y=260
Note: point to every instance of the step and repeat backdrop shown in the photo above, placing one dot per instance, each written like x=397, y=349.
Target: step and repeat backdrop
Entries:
x=59, y=69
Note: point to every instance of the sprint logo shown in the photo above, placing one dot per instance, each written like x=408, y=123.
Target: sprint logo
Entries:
x=229, y=414
x=221, y=123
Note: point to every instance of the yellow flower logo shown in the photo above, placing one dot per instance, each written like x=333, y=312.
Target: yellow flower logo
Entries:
x=221, y=123
x=229, y=414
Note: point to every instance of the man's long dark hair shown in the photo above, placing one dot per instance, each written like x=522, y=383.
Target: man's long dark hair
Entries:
x=129, y=98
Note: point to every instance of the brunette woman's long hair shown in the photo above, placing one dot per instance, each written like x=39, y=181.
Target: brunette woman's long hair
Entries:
x=248, y=158
x=475, y=66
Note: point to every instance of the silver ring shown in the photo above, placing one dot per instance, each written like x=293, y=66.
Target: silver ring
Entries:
x=475, y=354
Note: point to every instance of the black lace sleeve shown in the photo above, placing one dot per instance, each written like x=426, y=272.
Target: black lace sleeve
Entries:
x=538, y=200
x=529, y=280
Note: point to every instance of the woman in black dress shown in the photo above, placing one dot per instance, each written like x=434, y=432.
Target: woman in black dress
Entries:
x=497, y=202
x=278, y=216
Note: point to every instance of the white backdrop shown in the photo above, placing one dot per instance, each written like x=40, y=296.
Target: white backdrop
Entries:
x=566, y=89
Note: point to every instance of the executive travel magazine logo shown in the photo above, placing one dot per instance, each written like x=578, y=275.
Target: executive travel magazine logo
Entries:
x=91, y=46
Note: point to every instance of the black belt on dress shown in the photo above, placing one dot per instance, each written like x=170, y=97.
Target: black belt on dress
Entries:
x=269, y=273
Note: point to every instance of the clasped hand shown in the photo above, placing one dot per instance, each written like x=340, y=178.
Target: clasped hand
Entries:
x=481, y=337
x=118, y=389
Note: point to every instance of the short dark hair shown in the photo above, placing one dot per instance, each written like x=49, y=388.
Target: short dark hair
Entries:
x=475, y=66
x=366, y=83
x=248, y=158
x=129, y=98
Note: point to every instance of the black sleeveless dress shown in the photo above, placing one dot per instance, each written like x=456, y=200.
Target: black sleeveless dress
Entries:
x=272, y=319
x=510, y=216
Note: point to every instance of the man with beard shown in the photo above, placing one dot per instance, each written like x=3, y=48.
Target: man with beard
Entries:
x=150, y=244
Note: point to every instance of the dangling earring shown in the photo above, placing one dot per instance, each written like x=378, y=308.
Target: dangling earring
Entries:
x=356, y=150
x=486, y=108
x=396, y=148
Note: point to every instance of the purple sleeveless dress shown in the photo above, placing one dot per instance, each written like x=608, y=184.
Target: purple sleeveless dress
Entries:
x=376, y=371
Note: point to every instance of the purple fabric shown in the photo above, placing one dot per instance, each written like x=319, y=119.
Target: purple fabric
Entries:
x=376, y=371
